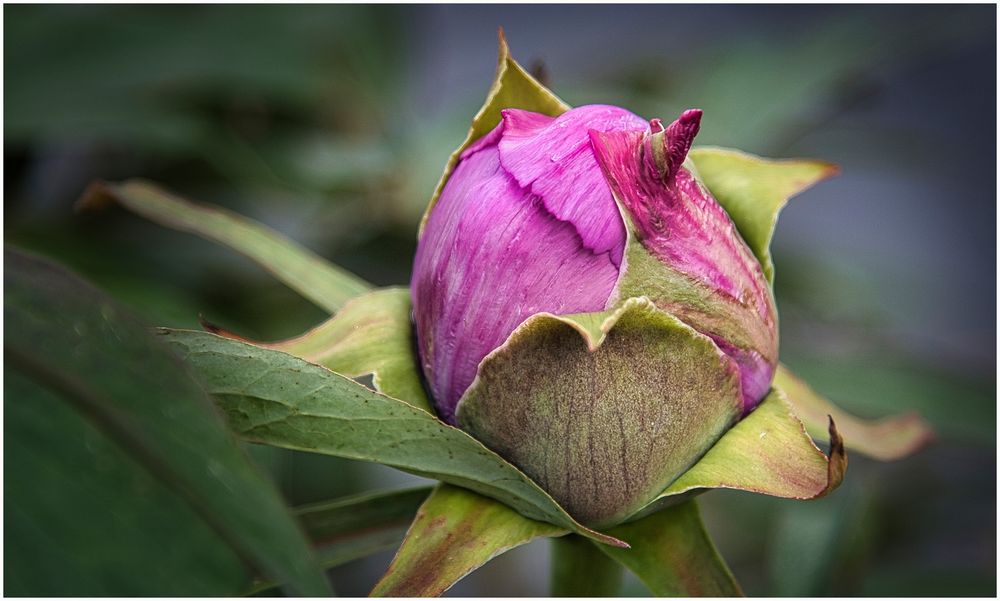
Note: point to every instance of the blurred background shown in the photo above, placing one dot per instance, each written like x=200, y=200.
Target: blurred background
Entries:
x=332, y=124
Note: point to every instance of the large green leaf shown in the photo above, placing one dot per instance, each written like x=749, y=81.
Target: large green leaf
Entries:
x=885, y=439
x=327, y=286
x=753, y=190
x=604, y=410
x=118, y=386
x=456, y=531
x=343, y=530
x=83, y=518
x=768, y=452
x=674, y=556
x=512, y=87
x=274, y=398
x=372, y=334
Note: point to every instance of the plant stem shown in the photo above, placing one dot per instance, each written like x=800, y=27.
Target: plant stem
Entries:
x=580, y=569
x=673, y=555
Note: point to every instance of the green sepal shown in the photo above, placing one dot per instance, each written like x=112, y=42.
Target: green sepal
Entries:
x=154, y=435
x=674, y=556
x=886, y=439
x=767, y=452
x=371, y=334
x=603, y=410
x=512, y=88
x=753, y=190
x=274, y=398
x=455, y=532
x=323, y=283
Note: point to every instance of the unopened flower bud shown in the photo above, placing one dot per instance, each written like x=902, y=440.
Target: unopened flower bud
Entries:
x=572, y=215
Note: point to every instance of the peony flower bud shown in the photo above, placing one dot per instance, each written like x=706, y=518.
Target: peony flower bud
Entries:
x=577, y=214
x=528, y=223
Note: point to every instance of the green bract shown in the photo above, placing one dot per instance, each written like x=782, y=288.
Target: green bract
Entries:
x=299, y=394
x=594, y=409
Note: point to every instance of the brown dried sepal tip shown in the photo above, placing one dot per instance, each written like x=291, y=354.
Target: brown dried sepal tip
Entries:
x=837, y=466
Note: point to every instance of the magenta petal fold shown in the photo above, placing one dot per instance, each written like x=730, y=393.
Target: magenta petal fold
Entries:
x=554, y=159
x=679, y=222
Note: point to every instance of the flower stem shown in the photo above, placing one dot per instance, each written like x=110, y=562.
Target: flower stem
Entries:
x=580, y=569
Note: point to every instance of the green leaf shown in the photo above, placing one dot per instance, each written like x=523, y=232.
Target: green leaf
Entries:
x=346, y=529
x=885, y=439
x=456, y=532
x=274, y=398
x=116, y=383
x=674, y=556
x=768, y=452
x=604, y=416
x=83, y=518
x=512, y=87
x=326, y=285
x=753, y=190
x=372, y=334
x=343, y=530
x=959, y=408
x=580, y=569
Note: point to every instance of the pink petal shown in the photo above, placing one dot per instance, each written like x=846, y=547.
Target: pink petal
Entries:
x=491, y=255
x=553, y=158
x=680, y=223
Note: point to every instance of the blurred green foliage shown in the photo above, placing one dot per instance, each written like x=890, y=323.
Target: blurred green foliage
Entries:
x=80, y=517
x=301, y=117
x=134, y=453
